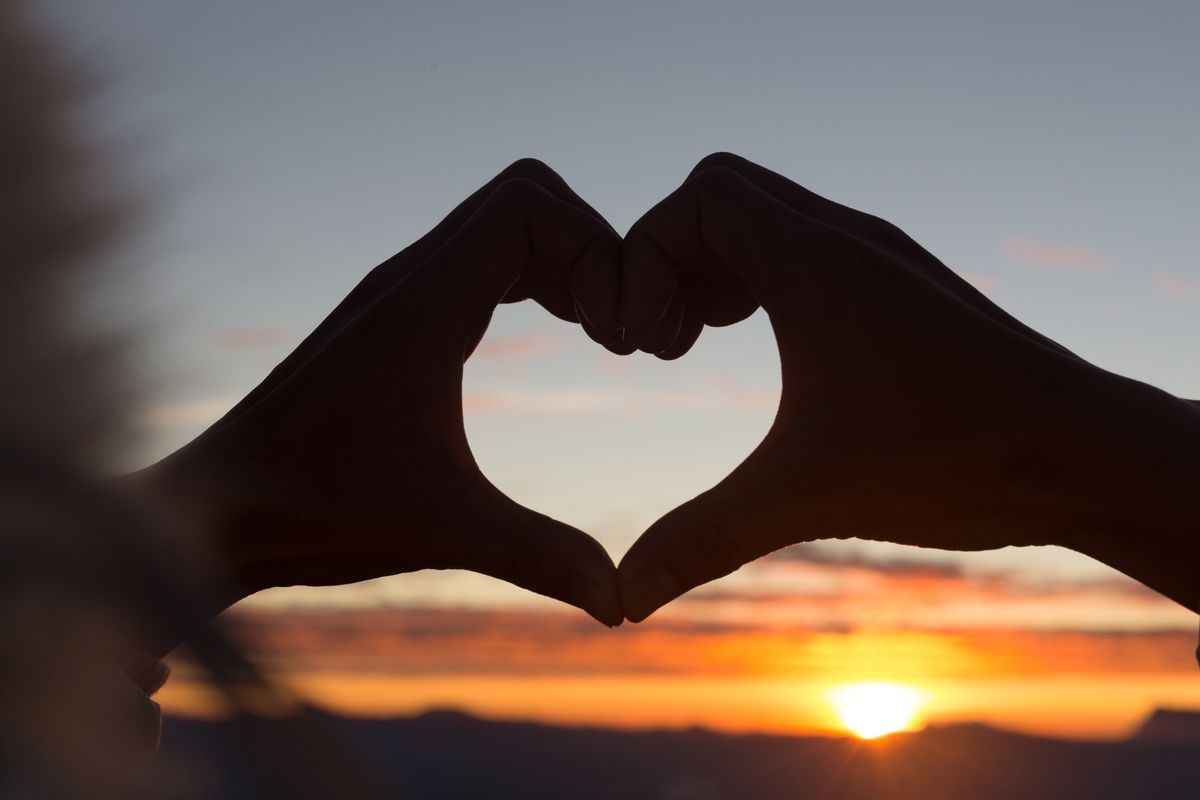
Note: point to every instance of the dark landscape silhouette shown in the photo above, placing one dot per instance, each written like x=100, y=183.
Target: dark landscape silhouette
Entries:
x=452, y=754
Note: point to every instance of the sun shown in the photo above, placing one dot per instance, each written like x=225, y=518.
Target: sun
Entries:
x=871, y=710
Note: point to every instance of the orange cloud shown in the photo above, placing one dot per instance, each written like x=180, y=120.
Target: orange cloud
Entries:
x=562, y=667
x=453, y=642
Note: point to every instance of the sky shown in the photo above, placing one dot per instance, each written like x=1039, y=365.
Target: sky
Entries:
x=1045, y=151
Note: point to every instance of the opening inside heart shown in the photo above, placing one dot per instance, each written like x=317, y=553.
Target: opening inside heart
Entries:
x=610, y=443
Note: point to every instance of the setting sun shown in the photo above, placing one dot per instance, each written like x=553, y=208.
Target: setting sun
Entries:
x=871, y=710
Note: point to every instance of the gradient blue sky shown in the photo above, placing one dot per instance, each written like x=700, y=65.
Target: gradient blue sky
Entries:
x=1045, y=150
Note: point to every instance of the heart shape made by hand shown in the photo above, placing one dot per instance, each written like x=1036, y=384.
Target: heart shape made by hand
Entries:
x=913, y=409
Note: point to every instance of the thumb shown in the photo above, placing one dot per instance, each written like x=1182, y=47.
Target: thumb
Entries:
x=505, y=540
x=743, y=518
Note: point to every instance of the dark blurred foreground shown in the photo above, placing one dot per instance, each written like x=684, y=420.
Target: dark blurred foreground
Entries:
x=452, y=755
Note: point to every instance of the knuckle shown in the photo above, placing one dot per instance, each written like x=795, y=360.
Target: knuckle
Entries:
x=881, y=227
x=718, y=159
x=529, y=168
x=881, y=232
x=717, y=180
x=517, y=193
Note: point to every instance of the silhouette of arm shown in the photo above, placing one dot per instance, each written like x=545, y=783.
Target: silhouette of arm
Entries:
x=913, y=410
x=350, y=460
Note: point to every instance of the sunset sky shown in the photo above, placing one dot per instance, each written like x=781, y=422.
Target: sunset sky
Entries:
x=1047, y=152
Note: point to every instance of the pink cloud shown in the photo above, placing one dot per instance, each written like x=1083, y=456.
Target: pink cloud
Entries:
x=183, y=415
x=716, y=395
x=611, y=366
x=1176, y=288
x=984, y=283
x=1048, y=257
x=583, y=401
x=508, y=348
x=740, y=397
x=241, y=338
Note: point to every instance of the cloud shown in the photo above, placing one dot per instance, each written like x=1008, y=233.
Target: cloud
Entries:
x=582, y=401
x=450, y=642
x=816, y=587
x=1176, y=288
x=1048, y=257
x=179, y=415
x=611, y=366
x=709, y=398
x=737, y=396
x=984, y=283
x=245, y=338
x=815, y=553
x=957, y=575
x=510, y=348
x=936, y=618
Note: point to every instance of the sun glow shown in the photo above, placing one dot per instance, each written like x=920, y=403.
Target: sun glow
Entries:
x=871, y=710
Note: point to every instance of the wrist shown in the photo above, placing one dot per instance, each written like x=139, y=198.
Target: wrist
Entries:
x=201, y=503
x=1137, y=461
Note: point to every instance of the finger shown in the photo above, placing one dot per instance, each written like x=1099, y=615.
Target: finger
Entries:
x=661, y=253
x=689, y=331
x=721, y=217
x=585, y=291
x=595, y=287
x=806, y=201
x=663, y=335
x=527, y=549
x=589, y=290
x=873, y=231
x=390, y=273
x=734, y=304
x=614, y=341
x=520, y=223
x=648, y=281
x=743, y=518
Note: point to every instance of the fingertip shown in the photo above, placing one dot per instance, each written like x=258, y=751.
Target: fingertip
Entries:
x=663, y=336
x=600, y=599
x=689, y=332
x=647, y=591
x=684, y=549
x=648, y=284
x=622, y=348
x=605, y=338
x=595, y=285
x=503, y=539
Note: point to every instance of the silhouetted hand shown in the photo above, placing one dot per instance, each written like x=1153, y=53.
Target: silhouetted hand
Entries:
x=913, y=409
x=350, y=461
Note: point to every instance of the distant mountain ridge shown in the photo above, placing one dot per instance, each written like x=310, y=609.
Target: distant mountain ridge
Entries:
x=449, y=754
x=1170, y=725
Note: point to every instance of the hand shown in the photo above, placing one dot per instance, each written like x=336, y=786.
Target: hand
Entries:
x=350, y=461
x=913, y=409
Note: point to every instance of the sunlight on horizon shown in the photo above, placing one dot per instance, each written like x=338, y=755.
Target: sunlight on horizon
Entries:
x=873, y=709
